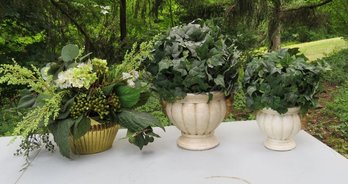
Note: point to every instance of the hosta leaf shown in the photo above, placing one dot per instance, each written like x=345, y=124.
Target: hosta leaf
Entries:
x=137, y=121
x=128, y=96
x=61, y=132
x=26, y=101
x=81, y=126
x=41, y=99
x=108, y=89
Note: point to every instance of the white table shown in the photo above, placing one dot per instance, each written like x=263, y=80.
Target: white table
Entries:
x=239, y=159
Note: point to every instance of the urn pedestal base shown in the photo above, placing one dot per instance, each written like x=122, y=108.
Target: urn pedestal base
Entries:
x=279, y=145
x=197, y=142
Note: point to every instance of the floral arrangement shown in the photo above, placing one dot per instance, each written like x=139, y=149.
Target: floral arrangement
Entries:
x=283, y=79
x=193, y=58
x=66, y=96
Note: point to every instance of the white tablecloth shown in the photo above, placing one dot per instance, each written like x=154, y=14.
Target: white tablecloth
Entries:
x=240, y=158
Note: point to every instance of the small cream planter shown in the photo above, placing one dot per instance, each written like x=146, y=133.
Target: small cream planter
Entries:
x=279, y=128
x=197, y=119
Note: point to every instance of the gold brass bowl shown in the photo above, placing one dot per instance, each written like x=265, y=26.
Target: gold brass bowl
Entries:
x=98, y=139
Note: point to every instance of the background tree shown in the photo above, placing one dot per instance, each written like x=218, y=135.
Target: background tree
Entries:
x=277, y=11
x=338, y=16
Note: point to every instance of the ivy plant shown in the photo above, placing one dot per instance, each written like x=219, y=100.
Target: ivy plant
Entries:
x=282, y=79
x=192, y=58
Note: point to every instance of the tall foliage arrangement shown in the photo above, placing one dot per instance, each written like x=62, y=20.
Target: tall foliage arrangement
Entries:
x=66, y=95
x=193, y=58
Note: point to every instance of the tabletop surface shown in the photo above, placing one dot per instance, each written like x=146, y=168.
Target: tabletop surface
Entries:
x=240, y=158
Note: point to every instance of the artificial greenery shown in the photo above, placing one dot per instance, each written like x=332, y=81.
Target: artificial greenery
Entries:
x=192, y=58
x=64, y=96
x=282, y=79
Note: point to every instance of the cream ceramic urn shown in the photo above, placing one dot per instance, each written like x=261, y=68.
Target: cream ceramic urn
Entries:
x=280, y=129
x=197, y=118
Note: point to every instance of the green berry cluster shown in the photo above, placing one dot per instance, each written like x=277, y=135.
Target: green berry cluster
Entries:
x=80, y=106
x=99, y=104
x=114, y=102
x=95, y=104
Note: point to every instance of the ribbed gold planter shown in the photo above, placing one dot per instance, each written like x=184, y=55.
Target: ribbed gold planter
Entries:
x=98, y=139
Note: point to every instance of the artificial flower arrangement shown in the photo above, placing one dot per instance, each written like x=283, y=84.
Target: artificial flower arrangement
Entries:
x=68, y=97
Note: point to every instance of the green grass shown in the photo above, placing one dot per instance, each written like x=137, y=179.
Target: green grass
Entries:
x=319, y=49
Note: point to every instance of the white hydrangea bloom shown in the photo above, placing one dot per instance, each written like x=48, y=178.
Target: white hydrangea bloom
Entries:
x=79, y=77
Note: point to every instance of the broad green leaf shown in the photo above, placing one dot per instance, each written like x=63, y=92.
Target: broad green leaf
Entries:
x=128, y=96
x=61, y=133
x=137, y=121
x=26, y=101
x=81, y=126
x=108, y=89
x=69, y=52
x=41, y=99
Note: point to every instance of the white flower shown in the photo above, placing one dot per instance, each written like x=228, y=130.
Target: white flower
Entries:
x=126, y=75
x=86, y=66
x=79, y=77
x=63, y=78
x=135, y=74
x=131, y=83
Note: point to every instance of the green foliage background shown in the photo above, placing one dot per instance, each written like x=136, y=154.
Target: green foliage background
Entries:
x=33, y=32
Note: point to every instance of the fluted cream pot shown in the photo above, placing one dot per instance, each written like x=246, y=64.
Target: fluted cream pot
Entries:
x=279, y=128
x=197, y=119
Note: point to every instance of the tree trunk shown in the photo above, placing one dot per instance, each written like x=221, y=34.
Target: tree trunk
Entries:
x=123, y=19
x=136, y=9
x=274, y=27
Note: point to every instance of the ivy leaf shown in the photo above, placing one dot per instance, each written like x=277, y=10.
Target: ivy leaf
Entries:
x=164, y=64
x=219, y=80
x=69, y=52
x=251, y=90
x=128, y=96
x=139, y=126
x=61, y=132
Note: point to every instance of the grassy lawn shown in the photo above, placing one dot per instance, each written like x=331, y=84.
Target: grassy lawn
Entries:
x=319, y=49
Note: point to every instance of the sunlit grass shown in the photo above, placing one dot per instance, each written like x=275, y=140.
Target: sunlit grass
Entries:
x=319, y=49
